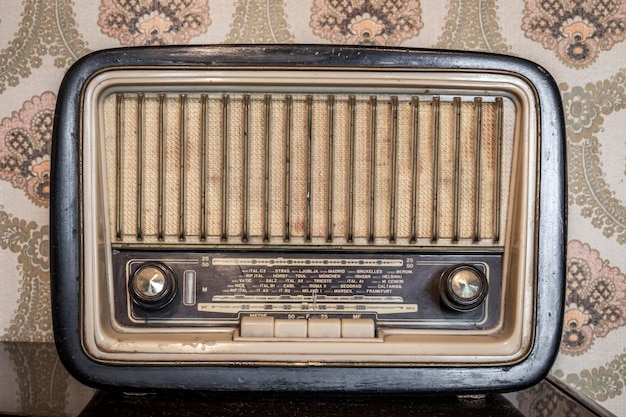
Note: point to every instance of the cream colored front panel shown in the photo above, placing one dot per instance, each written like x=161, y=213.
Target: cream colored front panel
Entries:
x=345, y=160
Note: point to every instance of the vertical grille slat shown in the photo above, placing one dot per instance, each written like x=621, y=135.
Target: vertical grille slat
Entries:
x=415, y=167
x=246, y=168
x=161, y=169
x=287, y=189
x=373, y=111
x=141, y=116
x=204, y=98
x=267, y=106
x=435, y=178
x=119, y=102
x=478, y=114
x=351, y=165
x=457, y=168
x=182, y=173
x=308, y=168
x=309, y=174
x=498, y=169
x=329, y=169
x=224, y=168
x=394, y=169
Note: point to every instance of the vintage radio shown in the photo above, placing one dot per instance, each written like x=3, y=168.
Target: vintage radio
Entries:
x=307, y=217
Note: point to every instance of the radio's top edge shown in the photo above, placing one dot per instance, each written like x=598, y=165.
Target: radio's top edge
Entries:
x=308, y=56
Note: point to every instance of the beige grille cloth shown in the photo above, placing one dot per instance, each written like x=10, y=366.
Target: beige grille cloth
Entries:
x=321, y=157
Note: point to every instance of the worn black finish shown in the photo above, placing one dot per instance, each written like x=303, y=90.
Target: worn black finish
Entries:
x=66, y=229
x=37, y=362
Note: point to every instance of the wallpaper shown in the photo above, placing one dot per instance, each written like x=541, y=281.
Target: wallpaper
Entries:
x=582, y=43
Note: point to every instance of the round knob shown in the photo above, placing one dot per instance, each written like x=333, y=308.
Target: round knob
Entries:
x=463, y=287
x=152, y=286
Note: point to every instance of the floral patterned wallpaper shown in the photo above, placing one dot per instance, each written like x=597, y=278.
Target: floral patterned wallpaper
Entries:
x=580, y=42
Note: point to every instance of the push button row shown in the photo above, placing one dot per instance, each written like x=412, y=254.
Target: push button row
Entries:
x=311, y=328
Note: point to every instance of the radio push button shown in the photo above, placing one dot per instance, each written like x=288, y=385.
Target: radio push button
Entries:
x=463, y=287
x=152, y=286
x=253, y=326
x=314, y=328
x=324, y=328
x=358, y=328
x=290, y=328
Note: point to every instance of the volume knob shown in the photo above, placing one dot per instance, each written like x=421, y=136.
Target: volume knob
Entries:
x=463, y=287
x=152, y=286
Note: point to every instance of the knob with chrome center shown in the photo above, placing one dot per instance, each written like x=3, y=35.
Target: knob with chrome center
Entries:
x=152, y=286
x=463, y=287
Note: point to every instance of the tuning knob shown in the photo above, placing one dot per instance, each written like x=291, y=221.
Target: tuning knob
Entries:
x=463, y=287
x=152, y=286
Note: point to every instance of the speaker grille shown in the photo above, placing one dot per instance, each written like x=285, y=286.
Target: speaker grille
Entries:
x=269, y=167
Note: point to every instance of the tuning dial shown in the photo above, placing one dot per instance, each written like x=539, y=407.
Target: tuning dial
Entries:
x=152, y=286
x=463, y=287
